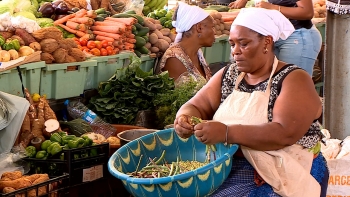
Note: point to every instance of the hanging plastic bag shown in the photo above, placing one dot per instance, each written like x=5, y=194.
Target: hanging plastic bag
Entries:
x=135, y=5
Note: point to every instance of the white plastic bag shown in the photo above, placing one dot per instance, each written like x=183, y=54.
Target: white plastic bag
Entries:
x=136, y=5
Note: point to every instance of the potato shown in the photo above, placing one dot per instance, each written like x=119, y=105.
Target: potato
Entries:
x=165, y=31
x=167, y=39
x=172, y=37
x=154, y=49
x=159, y=34
x=148, y=45
x=150, y=24
x=163, y=45
x=159, y=26
x=153, y=38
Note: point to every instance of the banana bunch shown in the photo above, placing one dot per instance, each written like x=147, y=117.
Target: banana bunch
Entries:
x=151, y=5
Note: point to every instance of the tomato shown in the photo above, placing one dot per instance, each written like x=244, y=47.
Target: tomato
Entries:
x=110, y=47
x=104, y=52
x=104, y=43
x=95, y=52
x=83, y=41
x=98, y=44
x=115, y=51
x=110, y=51
x=86, y=50
x=91, y=44
x=76, y=39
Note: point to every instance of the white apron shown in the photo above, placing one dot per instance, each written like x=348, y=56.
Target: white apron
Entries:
x=287, y=170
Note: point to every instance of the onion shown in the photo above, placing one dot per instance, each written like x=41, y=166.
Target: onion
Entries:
x=5, y=56
x=13, y=54
x=25, y=51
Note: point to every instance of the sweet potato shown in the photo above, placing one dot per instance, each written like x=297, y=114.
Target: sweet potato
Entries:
x=21, y=41
x=6, y=34
x=41, y=190
x=27, y=38
x=149, y=24
x=11, y=175
x=16, y=184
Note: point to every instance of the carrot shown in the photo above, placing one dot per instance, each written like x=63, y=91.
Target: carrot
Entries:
x=80, y=13
x=91, y=14
x=101, y=38
x=73, y=31
x=130, y=36
x=228, y=18
x=126, y=21
x=110, y=23
x=111, y=35
x=83, y=20
x=108, y=29
x=131, y=40
x=77, y=26
x=64, y=19
x=129, y=45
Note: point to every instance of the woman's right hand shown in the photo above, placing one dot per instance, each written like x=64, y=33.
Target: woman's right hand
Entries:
x=238, y=4
x=183, y=127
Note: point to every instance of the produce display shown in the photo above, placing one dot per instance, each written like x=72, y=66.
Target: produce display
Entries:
x=12, y=181
x=320, y=9
x=222, y=21
x=151, y=5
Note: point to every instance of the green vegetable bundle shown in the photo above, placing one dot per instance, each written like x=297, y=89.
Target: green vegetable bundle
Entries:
x=130, y=90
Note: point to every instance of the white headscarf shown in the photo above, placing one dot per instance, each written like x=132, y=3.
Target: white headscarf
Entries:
x=187, y=16
x=266, y=22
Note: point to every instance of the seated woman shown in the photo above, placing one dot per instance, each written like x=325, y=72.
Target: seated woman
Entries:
x=268, y=107
x=195, y=29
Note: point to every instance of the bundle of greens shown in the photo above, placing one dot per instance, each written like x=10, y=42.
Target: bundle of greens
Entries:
x=130, y=90
x=170, y=102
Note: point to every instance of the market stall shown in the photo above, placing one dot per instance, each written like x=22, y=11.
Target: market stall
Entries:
x=85, y=71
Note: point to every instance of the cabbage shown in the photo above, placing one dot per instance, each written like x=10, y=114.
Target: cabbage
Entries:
x=44, y=22
x=23, y=5
x=26, y=15
x=6, y=7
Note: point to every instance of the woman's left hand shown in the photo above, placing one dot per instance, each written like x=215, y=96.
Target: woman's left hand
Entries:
x=210, y=132
x=266, y=5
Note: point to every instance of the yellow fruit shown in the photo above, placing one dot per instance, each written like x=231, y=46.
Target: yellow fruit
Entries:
x=36, y=97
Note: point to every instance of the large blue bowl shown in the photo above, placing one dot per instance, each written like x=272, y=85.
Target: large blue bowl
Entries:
x=200, y=182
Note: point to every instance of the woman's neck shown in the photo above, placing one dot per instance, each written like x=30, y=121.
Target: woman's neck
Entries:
x=262, y=73
x=190, y=46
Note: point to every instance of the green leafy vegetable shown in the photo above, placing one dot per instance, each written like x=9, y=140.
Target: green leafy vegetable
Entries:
x=130, y=90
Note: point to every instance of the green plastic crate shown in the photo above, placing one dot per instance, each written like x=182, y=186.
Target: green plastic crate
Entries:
x=106, y=67
x=67, y=80
x=11, y=83
x=147, y=63
x=322, y=28
x=219, y=52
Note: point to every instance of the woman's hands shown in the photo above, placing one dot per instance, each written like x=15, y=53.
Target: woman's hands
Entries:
x=238, y=4
x=207, y=132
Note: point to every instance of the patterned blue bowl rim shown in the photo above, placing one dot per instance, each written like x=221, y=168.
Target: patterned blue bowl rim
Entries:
x=163, y=180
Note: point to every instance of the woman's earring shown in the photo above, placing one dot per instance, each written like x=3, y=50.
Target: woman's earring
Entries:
x=199, y=35
x=266, y=50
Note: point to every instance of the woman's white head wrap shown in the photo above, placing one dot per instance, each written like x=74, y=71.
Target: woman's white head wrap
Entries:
x=187, y=16
x=266, y=22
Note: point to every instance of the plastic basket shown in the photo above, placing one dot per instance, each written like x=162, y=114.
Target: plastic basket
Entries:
x=219, y=52
x=147, y=63
x=65, y=80
x=322, y=28
x=56, y=186
x=80, y=169
x=106, y=67
x=11, y=83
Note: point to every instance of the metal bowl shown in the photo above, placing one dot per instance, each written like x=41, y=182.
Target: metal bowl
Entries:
x=132, y=134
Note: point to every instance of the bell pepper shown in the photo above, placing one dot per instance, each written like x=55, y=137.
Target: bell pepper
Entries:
x=66, y=138
x=30, y=151
x=41, y=154
x=45, y=144
x=76, y=143
x=65, y=147
x=88, y=141
x=93, y=151
x=16, y=44
x=54, y=148
x=62, y=133
x=8, y=46
x=56, y=138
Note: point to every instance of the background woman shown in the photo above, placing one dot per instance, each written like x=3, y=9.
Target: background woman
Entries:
x=268, y=107
x=195, y=29
x=303, y=46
